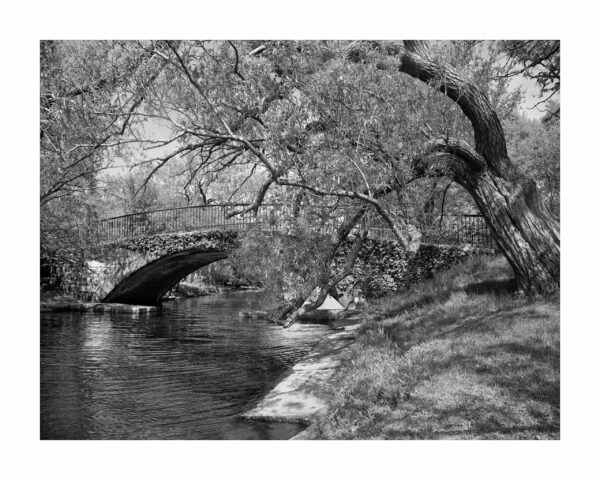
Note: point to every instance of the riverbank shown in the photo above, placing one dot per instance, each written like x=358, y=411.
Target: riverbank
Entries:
x=461, y=356
x=303, y=396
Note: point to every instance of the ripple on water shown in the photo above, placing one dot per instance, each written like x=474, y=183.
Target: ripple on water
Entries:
x=185, y=373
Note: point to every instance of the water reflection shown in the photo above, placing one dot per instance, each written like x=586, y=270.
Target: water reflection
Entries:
x=186, y=373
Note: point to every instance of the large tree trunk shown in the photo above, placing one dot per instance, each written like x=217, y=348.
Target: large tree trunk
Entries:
x=522, y=225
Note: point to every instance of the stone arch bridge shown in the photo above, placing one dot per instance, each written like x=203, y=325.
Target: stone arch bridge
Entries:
x=149, y=252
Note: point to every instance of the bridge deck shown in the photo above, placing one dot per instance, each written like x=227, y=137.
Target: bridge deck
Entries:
x=450, y=229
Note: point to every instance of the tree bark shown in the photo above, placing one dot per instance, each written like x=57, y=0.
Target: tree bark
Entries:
x=523, y=227
x=521, y=223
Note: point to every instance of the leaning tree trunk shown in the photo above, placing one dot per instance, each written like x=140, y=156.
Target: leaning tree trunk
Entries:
x=522, y=225
x=289, y=314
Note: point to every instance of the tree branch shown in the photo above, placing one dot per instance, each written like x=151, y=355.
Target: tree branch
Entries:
x=293, y=311
x=416, y=60
x=257, y=201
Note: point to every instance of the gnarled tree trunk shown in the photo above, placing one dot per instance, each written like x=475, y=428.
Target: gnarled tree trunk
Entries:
x=522, y=225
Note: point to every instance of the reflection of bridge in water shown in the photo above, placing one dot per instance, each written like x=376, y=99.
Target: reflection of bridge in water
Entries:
x=148, y=283
x=447, y=229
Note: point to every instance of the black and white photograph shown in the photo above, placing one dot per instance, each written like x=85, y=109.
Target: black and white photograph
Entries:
x=346, y=236
x=299, y=239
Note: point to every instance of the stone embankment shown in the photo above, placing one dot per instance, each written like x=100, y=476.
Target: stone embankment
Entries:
x=384, y=267
x=303, y=395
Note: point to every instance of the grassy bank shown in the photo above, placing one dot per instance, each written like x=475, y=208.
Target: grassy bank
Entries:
x=457, y=357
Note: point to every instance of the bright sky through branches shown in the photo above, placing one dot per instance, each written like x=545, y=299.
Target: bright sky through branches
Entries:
x=531, y=97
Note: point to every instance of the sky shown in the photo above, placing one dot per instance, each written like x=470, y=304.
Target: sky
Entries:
x=532, y=97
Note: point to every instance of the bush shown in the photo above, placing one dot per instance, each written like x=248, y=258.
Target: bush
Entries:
x=287, y=265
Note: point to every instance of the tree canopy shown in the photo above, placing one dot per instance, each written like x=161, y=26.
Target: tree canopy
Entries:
x=384, y=127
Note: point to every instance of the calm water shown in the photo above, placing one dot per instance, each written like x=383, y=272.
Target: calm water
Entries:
x=185, y=373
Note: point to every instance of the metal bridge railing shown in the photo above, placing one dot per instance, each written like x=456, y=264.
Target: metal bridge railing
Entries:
x=458, y=230
x=454, y=229
x=182, y=219
x=463, y=229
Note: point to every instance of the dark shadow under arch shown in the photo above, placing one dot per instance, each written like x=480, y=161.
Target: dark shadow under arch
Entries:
x=149, y=283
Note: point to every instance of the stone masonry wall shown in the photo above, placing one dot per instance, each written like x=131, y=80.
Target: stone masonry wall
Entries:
x=164, y=244
x=383, y=266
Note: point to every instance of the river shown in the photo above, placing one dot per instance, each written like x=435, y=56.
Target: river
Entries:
x=187, y=372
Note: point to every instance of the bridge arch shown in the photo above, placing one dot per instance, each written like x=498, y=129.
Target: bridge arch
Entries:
x=146, y=285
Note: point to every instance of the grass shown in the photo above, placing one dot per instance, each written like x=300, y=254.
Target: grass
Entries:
x=459, y=357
